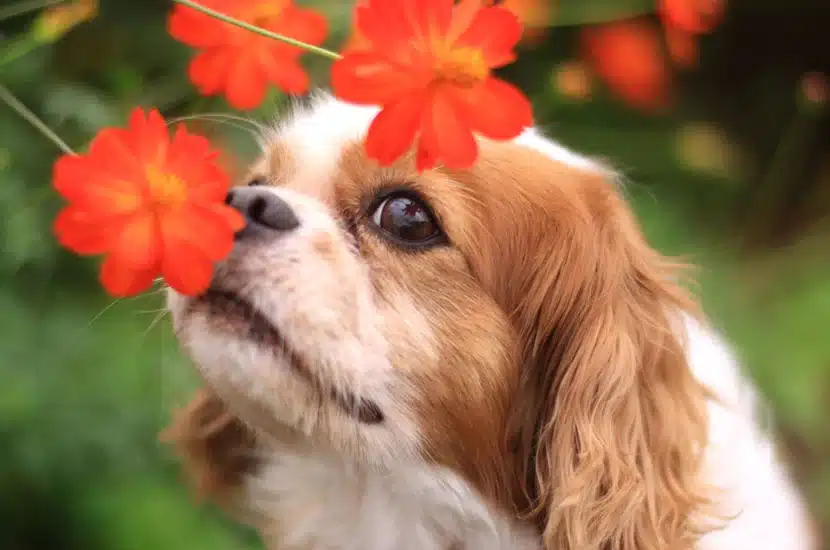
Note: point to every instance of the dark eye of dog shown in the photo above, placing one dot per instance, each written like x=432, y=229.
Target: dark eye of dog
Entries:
x=407, y=220
x=256, y=181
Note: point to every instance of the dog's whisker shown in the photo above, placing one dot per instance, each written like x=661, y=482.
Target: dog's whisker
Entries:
x=251, y=127
x=161, y=314
x=103, y=311
x=152, y=311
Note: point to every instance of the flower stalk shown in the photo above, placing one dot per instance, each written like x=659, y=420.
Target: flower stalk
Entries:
x=259, y=30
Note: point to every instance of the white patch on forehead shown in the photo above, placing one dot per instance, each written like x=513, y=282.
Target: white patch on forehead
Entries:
x=317, y=133
x=532, y=138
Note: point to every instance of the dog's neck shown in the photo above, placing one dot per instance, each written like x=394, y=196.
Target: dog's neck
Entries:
x=304, y=499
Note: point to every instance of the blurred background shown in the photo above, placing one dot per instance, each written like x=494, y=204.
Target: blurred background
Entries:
x=716, y=112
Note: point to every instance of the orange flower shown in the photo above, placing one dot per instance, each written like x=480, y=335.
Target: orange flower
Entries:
x=356, y=41
x=681, y=46
x=534, y=15
x=428, y=64
x=627, y=56
x=55, y=22
x=684, y=21
x=152, y=205
x=239, y=63
x=691, y=16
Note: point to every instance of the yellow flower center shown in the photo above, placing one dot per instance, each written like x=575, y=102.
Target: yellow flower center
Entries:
x=462, y=66
x=166, y=189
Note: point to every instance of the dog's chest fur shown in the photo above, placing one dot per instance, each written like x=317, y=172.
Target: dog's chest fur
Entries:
x=305, y=502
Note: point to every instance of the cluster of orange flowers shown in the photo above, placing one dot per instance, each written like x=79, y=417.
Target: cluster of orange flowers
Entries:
x=154, y=205
x=633, y=60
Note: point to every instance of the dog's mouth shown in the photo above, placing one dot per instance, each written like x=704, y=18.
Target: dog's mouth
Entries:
x=257, y=328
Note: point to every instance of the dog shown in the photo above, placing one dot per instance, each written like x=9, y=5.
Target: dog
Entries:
x=485, y=359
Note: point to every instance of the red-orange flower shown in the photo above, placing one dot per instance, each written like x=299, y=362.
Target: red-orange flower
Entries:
x=691, y=16
x=154, y=206
x=534, y=15
x=683, y=22
x=428, y=64
x=627, y=55
x=239, y=63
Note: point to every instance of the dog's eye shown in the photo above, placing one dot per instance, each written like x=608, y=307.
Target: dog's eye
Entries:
x=257, y=181
x=407, y=220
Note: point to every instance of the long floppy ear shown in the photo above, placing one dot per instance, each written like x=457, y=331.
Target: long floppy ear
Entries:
x=216, y=447
x=614, y=423
x=610, y=424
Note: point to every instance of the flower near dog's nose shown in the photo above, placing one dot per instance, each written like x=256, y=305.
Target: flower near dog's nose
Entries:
x=238, y=63
x=428, y=64
x=151, y=204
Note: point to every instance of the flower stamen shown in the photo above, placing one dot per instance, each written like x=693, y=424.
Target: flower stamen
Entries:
x=462, y=66
x=166, y=189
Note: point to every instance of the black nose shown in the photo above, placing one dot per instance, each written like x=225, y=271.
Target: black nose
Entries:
x=263, y=209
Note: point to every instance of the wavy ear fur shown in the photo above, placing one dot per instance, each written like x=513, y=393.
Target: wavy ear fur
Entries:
x=215, y=446
x=610, y=424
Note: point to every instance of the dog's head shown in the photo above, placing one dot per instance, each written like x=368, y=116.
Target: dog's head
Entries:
x=507, y=322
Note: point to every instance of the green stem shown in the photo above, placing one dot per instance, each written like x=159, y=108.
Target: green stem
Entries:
x=15, y=105
x=786, y=154
x=26, y=7
x=17, y=48
x=259, y=30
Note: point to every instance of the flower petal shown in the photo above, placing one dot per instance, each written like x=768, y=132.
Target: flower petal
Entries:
x=305, y=25
x=210, y=228
x=392, y=131
x=137, y=244
x=226, y=216
x=186, y=268
x=193, y=28
x=495, y=109
x=432, y=17
x=120, y=280
x=370, y=78
x=691, y=17
x=78, y=179
x=110, y=151
x=147, y=136
x=627, y=56
x=385, y=24
x=82, y=233
x=495, y=31
x=209, y=70
x=245, y=84
x=287, y=74
x=193, y=161
x=446, y=135
x=682, y=47
x=463, y=14
x=424, y=158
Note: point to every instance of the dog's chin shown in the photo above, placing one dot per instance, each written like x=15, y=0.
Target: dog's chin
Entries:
x=250, y=363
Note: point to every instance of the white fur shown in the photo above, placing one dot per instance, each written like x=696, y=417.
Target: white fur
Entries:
x=311, y=499
x=741, y=459
x=320, y=502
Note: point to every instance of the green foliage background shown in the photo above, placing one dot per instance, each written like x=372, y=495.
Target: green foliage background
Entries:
x=86, y=384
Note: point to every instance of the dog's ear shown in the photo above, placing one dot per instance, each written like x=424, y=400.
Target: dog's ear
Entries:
x=609, y=425
x=618, y=424
x=216, y=447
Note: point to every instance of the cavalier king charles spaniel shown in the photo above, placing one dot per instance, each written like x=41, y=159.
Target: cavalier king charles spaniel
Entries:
x=486, y=359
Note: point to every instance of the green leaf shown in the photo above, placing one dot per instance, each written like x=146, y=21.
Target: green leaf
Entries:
x=81, y=105
x=589, y=12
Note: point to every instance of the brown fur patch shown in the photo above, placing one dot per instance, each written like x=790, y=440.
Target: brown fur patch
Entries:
x=216, y=446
